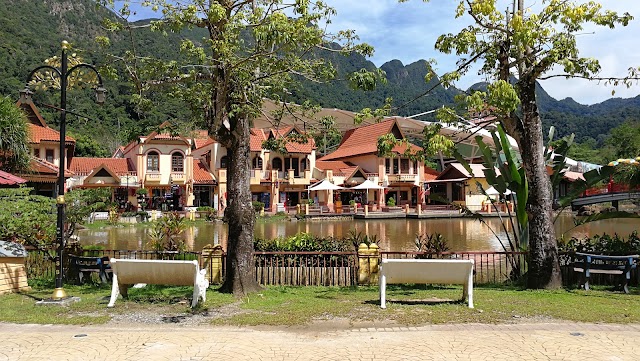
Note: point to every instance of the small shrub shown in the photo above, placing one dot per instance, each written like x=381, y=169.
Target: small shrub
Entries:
x=391, y=202
x=209, y=212
x=142, y=192
x=302, y=242
x=129, y=214
x=603, y=244
x=257, y=206
x=356, y=238
x=431, y=244
x=143, y=215
x=352, y=202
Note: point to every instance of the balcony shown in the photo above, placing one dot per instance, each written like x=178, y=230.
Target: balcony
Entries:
x=152, y=177
x=303, y=178
x=256, y=176
x=402, y=178
x=178, y=177
x=373, y=177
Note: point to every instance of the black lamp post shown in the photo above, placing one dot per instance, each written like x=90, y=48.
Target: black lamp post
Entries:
x=63, y=73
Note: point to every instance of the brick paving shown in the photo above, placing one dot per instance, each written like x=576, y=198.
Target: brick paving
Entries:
x=537, y=341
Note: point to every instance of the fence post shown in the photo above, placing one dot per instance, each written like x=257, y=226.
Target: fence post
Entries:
x=368, y=263
x=366, y=210
x=419, y=209
x=212, y=259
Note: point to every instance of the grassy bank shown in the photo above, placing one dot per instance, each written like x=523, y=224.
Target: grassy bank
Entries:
x=292, y=306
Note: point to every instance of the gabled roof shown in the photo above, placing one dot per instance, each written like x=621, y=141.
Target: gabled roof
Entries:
x=339, y=168
x=430, y=173
x=293, y=146
x=161, y=135
x=201, y=173
x=364, y=140
x=8, y=179
x=202, y=139
x=38, y=129
x=85, y=165
x=42, y=171
x=96, y=171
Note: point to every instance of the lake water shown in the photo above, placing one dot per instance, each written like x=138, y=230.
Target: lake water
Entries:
x=395, y=234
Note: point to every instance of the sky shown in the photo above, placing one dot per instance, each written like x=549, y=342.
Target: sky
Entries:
x=408, y=31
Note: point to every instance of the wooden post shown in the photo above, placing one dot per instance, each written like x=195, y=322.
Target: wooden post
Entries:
x=306, y=209
x=366, y=210
x=419, y=209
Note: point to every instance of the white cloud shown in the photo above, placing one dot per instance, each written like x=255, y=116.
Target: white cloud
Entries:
x=408, y=32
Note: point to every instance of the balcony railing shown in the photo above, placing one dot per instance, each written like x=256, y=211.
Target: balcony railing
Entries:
x=402, y=177
x=153, y=177
x=178, y=177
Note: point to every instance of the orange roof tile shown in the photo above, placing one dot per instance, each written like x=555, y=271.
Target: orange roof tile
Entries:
x=364, y=140
x=293, y=146
x=38, y=134
x=10, y=179
x=40, y=167
x=256, y=138
x=84, y=165
x=430, y=173
x=201, y=173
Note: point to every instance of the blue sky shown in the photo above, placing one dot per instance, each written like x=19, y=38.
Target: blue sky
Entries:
x=408, y=31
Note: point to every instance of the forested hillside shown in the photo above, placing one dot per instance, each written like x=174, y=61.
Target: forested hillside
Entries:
x=31, y=31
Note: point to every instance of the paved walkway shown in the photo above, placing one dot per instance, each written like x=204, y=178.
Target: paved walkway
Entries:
x=540, y=341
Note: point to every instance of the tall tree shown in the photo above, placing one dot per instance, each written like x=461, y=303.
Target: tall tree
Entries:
x=251, y=49
x=510, y=40
x=14, y=137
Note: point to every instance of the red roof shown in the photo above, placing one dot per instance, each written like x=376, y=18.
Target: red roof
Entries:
x=293, y=146
x=10, y=179
x=201, y=173
x=84, y=165
x=337, y=167
x=430, y=173
x=256, y=138
x=364, y=140
x=40, y=167
x=38, y=134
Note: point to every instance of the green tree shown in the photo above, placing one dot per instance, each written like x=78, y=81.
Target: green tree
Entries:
x=625, y=140
x=249, y=50
x=515, y=47
x=28, y=219
x=14, y=137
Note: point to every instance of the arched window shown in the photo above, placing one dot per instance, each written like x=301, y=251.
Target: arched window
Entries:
x=257, y=162
x=276, y=164
x=224, y=162
x=153, y=162
x=177, y=162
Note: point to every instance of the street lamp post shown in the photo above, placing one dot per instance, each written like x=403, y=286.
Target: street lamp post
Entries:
x=63, y=73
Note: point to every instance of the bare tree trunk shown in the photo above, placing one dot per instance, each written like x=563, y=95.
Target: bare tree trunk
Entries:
x=240, y=272
x=544, y=267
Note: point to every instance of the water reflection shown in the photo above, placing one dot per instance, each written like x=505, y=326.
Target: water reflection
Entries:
x=394, y=234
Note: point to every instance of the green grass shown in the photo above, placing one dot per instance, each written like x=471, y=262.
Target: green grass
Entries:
x=292, y=306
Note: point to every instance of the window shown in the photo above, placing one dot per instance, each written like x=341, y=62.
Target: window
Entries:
x=387, y=166
x=153, y=162
x=177, y=162
x=257, y=162
x=36, y=153
x=49, y=156
x=276, y=164
x=396, y=166
x=415, y=167
x=404, y=166
x=224, y=162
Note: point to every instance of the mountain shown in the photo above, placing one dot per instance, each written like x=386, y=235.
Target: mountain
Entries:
x=33, y=30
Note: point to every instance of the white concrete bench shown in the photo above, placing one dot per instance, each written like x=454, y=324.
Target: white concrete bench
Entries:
x=443, y=271
x=127, y=272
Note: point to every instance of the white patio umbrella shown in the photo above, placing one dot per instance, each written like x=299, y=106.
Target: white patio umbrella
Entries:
x=367, y=185
x=325, y=185
x=494, y=192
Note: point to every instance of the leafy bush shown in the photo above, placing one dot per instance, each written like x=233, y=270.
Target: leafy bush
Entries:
x=302, y=242
x=209, y=212
x=257, y=206
x=166, y=232
x=143, y=215
x=356, y=238
x=142, y=192
x=431, y=244
x=604, y=244
x=391, y=202
x=129, y=214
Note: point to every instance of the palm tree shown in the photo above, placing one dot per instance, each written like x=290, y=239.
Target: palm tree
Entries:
x=14, y=136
